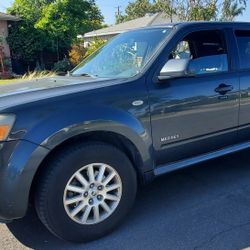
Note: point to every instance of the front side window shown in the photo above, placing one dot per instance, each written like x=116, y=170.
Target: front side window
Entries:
x=125, y=56
x=205, y=50
x=182, y=51
x=243, y=40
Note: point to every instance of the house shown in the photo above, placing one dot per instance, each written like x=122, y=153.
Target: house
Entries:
x=5, y=21
x=111, y=31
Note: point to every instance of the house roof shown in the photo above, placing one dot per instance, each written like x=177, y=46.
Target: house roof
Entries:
x=147, y=20
x=8, y=17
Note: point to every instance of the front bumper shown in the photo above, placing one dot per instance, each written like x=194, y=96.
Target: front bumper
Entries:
x=19, y=161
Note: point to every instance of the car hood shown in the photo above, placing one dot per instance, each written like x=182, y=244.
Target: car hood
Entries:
x=22, y=92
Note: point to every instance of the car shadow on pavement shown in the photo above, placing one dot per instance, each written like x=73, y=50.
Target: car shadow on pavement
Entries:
x=203, y=207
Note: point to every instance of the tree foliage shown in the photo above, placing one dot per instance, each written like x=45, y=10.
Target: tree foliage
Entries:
x=232, y=9
x=136, y=9
x=77, y=53
x=50, y=26
x=185, y=10
x=94, y=46
x=197, y=10
x=169, y=7
x=25, y=41
x=68, y=18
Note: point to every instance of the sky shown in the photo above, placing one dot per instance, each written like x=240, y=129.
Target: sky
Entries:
x=109, y=8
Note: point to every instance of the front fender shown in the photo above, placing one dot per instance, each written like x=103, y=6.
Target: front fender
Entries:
x=57, y=127
x=20, y=159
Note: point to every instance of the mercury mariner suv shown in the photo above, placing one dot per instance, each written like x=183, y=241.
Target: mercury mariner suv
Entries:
x=151, y=101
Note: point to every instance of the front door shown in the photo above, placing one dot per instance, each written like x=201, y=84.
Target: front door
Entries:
x=198, y=114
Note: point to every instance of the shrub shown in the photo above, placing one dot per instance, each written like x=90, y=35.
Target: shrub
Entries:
x=95, y=45
x=7, y=63
x=77, y=54
x=62, y=66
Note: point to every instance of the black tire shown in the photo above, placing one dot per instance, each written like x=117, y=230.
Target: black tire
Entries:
x=50, y=190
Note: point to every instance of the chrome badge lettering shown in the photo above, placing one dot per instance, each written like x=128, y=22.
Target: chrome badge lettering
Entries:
x=170, y=138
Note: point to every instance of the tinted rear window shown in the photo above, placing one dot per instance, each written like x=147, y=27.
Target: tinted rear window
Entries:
x=243, y=40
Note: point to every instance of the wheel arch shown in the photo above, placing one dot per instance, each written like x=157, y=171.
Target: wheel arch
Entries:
x=117, y=140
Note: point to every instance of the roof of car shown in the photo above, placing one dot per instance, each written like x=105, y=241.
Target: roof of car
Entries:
x=203, y=23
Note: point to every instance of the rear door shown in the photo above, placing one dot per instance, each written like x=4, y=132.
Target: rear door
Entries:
x=242, y=37
x=196, y=115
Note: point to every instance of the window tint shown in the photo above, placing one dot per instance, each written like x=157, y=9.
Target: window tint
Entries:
x=243, y=40
x=206, y=51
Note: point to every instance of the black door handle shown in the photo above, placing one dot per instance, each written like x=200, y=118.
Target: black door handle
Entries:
x=223, y=89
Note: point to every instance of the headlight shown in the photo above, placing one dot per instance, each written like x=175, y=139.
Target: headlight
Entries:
x=6, y=124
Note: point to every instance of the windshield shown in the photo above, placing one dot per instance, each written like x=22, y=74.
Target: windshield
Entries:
x=125, y=55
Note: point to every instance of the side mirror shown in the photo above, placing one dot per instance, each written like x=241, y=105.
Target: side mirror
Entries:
x=174, y=68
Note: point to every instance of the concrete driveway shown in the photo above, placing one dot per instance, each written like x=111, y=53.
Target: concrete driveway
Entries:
x=204, y=207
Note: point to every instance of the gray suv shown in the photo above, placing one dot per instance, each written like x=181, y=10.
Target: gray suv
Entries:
x=151, y=101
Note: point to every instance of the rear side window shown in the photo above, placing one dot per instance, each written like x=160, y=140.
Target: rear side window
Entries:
x=243, y=40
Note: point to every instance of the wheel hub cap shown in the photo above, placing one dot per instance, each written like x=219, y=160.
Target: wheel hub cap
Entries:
x=92, y=194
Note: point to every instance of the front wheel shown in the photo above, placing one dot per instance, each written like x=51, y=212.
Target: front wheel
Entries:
x=86, y=191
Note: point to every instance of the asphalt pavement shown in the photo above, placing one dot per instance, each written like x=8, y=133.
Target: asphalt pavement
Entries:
x=203, y=207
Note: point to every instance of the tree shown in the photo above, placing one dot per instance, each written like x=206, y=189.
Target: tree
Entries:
x=50, y=26
x=65, y=19
x=186, y=10
x=196, y=10
x=169, y=7
x=232, y=8
x=25, y=40
x=136, y=9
